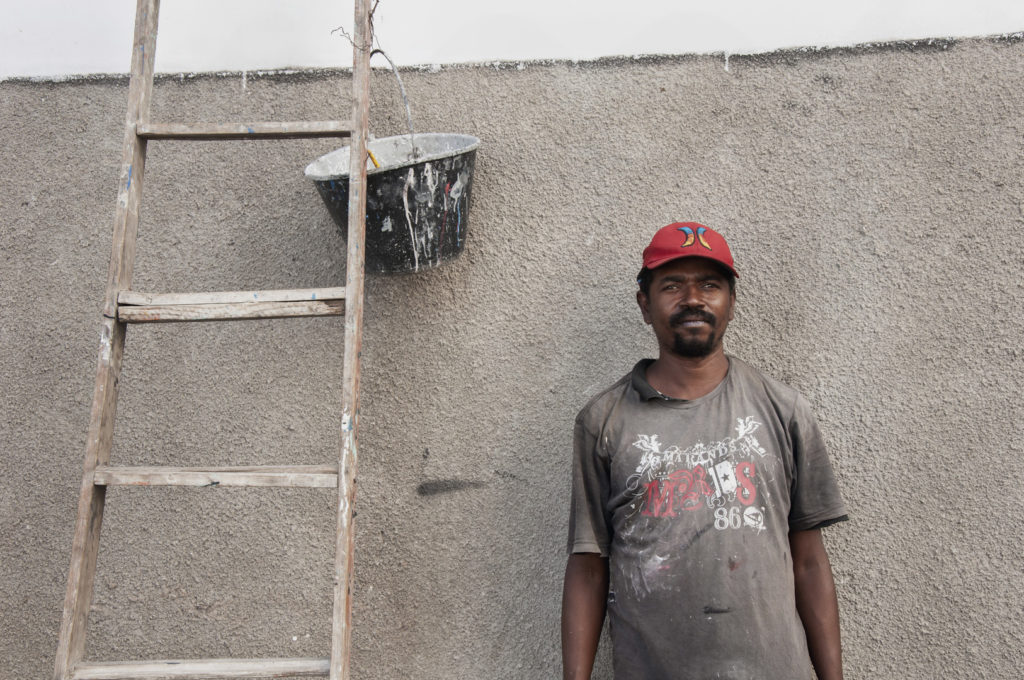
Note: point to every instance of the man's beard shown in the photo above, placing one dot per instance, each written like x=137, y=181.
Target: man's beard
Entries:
x=693, y=347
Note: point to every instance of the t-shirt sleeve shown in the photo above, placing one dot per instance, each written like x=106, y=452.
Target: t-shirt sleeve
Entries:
x=815, y=499
x=588, y=523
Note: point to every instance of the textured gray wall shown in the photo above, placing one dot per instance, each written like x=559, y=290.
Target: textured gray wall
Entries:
x=875, y=202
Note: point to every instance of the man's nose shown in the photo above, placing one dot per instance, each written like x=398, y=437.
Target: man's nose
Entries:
x=692, y=297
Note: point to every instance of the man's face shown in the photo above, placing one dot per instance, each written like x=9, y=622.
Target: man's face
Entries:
x=689, y=305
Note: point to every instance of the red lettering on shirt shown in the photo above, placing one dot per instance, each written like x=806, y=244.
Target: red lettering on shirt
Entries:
x=746, y=492
x=658, y=498
x=690, y=486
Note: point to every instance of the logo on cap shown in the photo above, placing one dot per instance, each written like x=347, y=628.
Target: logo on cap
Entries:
x=690, y=237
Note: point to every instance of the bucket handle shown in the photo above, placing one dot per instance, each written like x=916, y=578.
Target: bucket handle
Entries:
x=415, y=154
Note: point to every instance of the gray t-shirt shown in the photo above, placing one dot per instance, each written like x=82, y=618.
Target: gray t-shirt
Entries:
x=693, y=502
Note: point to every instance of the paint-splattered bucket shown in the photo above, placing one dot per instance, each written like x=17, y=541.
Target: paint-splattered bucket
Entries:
x=417, y=209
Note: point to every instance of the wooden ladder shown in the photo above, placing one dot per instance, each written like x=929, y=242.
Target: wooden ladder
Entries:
x=124, y=306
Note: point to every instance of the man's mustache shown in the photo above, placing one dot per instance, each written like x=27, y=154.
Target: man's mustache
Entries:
x=685, y=315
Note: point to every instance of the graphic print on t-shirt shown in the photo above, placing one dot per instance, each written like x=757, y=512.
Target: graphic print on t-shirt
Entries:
x=719, y=478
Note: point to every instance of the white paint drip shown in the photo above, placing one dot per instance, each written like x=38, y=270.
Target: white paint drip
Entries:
x=457, y=189
x=125, y=184
x=431, y=178
x=647, y=575
x=348, y=427
x=105, y=344
x=410, y=183
x=425, y=241
x=423, y=236
x=387, y=223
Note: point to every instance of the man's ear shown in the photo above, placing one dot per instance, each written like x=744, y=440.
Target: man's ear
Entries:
x=641, y=300
x=732, y=303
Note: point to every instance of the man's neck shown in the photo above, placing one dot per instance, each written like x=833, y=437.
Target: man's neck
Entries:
x=685, y=377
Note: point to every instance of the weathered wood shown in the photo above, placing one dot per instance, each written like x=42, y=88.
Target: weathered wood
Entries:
x=319, y=476
x=208, y=306
x=262, y=130
x=85, y=544
x=228, y=312
x=202, y=669
x=129, y=297
x=341, y=628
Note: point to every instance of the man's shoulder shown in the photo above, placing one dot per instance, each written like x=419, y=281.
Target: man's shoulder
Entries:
x=779, y=393
x=599, y=405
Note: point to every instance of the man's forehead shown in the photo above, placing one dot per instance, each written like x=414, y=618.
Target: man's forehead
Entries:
x=690, y=267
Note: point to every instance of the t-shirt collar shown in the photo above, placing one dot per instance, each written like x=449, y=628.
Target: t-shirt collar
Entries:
x=638, y=380
x=640, y=384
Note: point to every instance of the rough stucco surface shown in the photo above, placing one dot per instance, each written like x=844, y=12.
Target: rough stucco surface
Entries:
x=875, y=202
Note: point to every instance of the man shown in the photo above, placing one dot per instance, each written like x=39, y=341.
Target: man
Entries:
x=700, y=488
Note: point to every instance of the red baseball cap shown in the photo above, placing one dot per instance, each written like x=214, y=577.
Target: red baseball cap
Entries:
x=687, y=239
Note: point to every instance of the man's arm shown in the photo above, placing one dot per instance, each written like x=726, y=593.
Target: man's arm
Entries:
x=584, y=599
x=816, y=602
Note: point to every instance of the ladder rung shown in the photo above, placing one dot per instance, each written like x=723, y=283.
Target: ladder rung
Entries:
x=272, y=130
x=129, y=297
x=322, y=476
x=198, y=669
x=228, y=312
x=238, y=304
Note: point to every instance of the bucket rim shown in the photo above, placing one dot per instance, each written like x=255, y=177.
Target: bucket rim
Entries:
x=471, y=144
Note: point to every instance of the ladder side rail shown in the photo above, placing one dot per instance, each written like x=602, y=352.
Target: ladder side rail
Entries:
x=341, y=620
x=82, y=570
